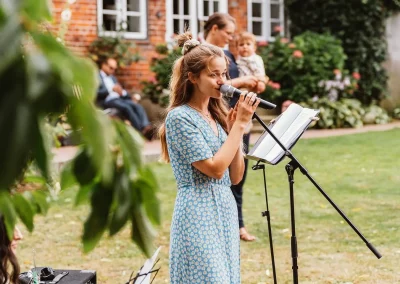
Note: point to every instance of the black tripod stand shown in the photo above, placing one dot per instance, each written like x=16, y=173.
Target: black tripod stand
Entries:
x=290, y=169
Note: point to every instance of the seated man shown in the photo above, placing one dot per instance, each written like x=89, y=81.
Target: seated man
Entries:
x=111, y=95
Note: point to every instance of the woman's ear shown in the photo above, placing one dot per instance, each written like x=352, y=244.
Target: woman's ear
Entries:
x=192, y=78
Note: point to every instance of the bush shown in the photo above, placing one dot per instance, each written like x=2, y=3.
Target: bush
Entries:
x=301, y=65
x=396, y=113
x=157, y=88
x=346, y=113
x=360, y=25
x=124, y=51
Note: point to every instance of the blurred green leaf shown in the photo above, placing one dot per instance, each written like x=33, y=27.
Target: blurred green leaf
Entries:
x=41, y=148
x=37, y=10
x=98, y=134
x=10, y=43
x=40, y=198
x=83, y=168
x=24, y=210
x=7, y=210
x=147, y=185
x=142, y=231
x=34, y=179
x=123, y=203
x=97, y=222
x=83, y=194
x=131, y=143
x=40, y=75
x=68, y=179
x=16, y=148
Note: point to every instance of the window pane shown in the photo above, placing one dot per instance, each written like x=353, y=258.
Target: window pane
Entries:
x=109, y=4
x=186, y=7
x=186, y=24
x=275, y=27
x=133, y=24
x=109, y=22
x=216, y=6
x=176, y=7
x=256, y=9
x=133, y=5
x=200, y=25
x=206, y=8
x=257, y=28
x=275, y=11
x=176, y=26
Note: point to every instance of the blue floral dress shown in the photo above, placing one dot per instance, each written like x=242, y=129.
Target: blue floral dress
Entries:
x=204, y=245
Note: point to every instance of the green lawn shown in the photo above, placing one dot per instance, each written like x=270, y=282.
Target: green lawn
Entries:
x=359, y=172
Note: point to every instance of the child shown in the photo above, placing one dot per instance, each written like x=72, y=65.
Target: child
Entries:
x=249, y=63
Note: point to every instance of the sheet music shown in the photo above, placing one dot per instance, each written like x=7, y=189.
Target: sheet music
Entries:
x=147, y=267
x=287, y=129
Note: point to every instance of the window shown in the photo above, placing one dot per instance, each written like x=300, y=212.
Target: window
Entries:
x=265, y=18
x=191, y=13
x=127, y=15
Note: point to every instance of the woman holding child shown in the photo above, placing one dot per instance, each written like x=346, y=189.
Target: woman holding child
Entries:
x=219, y=30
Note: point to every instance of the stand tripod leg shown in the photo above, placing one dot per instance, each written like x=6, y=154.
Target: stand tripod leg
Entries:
x=266, y=214
x=290, y=168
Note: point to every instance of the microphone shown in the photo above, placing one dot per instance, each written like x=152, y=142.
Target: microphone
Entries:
x=229, y=92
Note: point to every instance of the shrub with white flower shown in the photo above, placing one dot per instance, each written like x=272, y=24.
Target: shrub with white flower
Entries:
x=342, y=86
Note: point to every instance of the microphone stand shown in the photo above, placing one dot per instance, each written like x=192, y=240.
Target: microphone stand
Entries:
x=268, y=216
x=290, y=169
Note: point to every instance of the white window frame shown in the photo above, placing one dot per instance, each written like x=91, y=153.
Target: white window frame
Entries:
x=121, y=12
x=196, y=8
x=265, y=19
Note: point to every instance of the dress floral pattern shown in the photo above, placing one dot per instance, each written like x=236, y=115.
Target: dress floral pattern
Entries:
x=204, y=245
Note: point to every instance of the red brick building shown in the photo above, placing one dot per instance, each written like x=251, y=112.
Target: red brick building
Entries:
x=151, y=22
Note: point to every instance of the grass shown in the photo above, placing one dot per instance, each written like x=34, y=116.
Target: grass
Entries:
x=359, y=172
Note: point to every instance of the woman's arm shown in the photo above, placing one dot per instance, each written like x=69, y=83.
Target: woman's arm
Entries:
x=236, y=169
x=229, y=155
x=216, y=166
x=248, y=82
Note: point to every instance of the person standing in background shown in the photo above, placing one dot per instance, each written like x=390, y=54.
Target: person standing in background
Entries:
x=219, y=30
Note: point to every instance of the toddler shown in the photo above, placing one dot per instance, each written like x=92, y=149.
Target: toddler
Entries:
x=249, y=63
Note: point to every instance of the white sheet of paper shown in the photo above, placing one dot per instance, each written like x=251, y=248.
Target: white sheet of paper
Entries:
x=148, y=265
x=287, y=129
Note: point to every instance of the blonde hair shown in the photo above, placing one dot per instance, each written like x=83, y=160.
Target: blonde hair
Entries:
x=196, y=57
x=246, y=36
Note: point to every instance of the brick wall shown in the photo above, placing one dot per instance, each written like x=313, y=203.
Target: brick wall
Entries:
x=238, y=10
x=82, y=30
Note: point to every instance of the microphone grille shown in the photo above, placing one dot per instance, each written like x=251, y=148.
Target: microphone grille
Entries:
x=225, y=89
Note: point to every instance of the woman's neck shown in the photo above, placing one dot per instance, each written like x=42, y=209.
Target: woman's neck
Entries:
x=213, y=42
x=199, y=103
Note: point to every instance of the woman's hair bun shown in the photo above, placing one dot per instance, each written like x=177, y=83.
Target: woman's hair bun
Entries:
x=186, y=41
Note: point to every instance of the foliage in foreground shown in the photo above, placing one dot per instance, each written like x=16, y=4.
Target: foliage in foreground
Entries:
x=39, y=77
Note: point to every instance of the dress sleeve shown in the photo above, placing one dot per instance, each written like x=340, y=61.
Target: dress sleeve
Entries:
x=187, y=138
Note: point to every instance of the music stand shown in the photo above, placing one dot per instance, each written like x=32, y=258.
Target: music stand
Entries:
x=272, y=149
x=144, y=274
